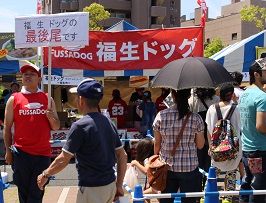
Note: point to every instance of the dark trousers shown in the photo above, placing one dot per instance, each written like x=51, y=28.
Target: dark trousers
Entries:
x=254, y=181
x=26, y=168
x=186, y=181
x=204, y=163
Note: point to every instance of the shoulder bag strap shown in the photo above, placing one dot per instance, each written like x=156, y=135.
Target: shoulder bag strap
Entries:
x=204, y=103
x=180, y=133
x=231, y=111
x=218, y=110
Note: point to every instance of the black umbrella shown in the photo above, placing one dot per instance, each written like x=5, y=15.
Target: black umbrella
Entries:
x=192, y=72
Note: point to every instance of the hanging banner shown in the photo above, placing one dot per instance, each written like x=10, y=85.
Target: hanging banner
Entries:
x=52, y=30
x=130, y=50
x=73, y=81
x=60, y=80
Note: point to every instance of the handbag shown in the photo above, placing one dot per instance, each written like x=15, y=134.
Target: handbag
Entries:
x=158, y=169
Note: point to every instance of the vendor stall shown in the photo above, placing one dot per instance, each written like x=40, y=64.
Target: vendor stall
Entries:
x=114, y=57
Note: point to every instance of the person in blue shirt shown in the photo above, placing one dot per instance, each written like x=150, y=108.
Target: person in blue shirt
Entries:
x=252, y=105
x=147, y=113
x=95, y=142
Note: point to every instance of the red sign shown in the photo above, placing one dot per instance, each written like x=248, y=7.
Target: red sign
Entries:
x=55, y=151
x=130, y=50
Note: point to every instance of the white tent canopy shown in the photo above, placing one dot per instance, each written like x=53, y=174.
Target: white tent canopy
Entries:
x=240, y=55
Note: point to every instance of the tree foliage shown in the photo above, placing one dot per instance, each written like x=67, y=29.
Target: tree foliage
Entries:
x=215, y=46
x=1, y=90
x=96, y=14
x=254, y=13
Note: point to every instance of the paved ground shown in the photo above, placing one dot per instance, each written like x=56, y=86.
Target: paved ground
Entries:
x=64, y=188
x=55, y=194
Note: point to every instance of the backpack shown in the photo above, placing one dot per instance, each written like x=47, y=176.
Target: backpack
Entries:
x=224, y=140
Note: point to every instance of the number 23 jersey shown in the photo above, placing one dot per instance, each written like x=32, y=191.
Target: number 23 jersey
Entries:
x=118, y=109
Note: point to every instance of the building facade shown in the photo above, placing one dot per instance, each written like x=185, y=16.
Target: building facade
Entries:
x=143, y=14
x=229, y=26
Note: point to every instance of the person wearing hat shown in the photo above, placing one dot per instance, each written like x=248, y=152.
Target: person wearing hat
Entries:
x=147, y=112
x=252, y=105
x=33, y=120
x=118, y=108
x=14, y=87
x=95, y=142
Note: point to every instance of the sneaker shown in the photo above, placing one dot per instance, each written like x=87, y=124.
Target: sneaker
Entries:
x=226, y=201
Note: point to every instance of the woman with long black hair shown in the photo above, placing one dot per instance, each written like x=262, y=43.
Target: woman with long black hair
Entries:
x=183, y=171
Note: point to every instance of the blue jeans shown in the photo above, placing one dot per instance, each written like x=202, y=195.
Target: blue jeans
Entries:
x=254, y=181
x=186, y=181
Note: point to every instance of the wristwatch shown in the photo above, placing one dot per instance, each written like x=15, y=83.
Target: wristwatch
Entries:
x=44, y=174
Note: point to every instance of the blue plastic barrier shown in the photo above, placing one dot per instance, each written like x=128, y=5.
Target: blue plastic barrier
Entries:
x=1, y=189
x=211, y=187
x=138, y=194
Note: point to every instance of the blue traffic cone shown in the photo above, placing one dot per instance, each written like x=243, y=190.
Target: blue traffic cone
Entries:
x=1, y=189
x=211, y=187
x=138, y=194
x=177, y=200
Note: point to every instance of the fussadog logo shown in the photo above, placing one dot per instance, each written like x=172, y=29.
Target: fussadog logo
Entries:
x=32, y=112
x=72, y=52
x=33, y=109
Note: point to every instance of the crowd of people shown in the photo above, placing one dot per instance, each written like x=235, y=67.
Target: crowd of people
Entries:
x=95, y=142
x=195, y=148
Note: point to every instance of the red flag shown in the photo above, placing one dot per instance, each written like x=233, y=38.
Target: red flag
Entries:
x=39, y=7
x=203, y=6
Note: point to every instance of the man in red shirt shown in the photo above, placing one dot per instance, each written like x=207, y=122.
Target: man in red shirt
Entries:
x=159, y=101
x=33, y=120
x=118, y=109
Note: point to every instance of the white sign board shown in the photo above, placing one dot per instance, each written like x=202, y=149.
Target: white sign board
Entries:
x=60, y=80
x=52, y=30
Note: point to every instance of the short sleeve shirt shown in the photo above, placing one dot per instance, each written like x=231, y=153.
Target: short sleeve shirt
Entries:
x=160, y=105
x=134, y=97
x=166, y=122
x=94, y=140
x=118, y=109
x=253, y=100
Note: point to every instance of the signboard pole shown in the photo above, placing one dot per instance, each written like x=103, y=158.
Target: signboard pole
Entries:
x=49, y=75
x=40, y=64
x=69, y=29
